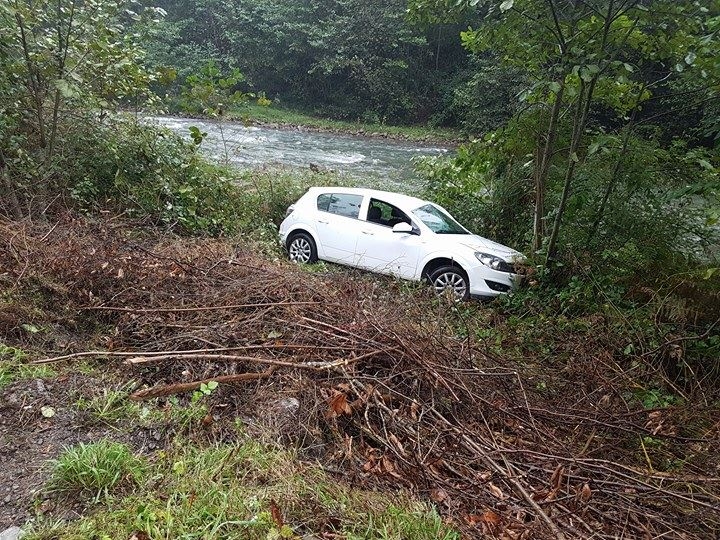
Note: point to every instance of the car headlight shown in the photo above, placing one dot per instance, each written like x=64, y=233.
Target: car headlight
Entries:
x=494, y=262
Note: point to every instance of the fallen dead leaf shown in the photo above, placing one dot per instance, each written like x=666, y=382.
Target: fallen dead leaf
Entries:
x=438, y=495
x=557, y=477
x=339, y=405
x=496, y=491
x=585, y=493
x=276, y=514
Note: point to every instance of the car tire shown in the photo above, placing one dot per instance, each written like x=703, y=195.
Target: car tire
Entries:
x=301, y=248
x=450, y=278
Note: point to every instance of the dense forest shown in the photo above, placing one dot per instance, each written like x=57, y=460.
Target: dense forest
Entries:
x=582, y=405
x=344, y=59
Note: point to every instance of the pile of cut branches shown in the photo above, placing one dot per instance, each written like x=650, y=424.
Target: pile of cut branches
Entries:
x=404, y=400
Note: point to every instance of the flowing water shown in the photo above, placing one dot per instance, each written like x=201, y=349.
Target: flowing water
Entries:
x=367, y=161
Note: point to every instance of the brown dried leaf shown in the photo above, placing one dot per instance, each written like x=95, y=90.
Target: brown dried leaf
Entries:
x=585, y=493
x=339, y=405
x=389, y=467
x=397, y=443
x=557, y=477
x=276, y=514
x=496, y=491
x=438, y=495
x=490, y=518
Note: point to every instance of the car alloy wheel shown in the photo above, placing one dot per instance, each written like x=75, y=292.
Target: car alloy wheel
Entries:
x=301, y=249
x=450, y=279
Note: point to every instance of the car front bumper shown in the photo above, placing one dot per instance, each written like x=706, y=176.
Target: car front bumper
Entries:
x=488, y=283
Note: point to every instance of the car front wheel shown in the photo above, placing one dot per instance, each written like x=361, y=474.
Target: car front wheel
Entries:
x=301, y=248
x=450, y=279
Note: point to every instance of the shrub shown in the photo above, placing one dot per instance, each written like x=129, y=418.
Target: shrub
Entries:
x=149, y=171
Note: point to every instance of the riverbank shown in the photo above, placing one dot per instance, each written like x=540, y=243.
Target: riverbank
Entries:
x=281, y=118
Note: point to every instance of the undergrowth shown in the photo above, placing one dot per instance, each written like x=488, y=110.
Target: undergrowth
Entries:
x=241, y=490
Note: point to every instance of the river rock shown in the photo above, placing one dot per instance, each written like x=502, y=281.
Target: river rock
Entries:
x=13, y=533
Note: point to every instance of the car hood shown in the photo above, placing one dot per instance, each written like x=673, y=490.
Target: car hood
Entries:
x=478, y=243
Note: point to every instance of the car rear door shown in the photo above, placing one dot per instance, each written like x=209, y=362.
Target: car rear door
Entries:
x=338, y=226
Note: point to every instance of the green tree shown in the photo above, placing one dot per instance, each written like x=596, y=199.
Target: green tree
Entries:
x=593, y=66
x=60, y=58
x=344, y=58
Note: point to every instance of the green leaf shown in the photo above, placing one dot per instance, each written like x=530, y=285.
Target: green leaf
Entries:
x=66, y=90
x=506, y=5
x=30, y=328
x=690, y=58
x=575, y=157
x=212, y=385
x=705, y=164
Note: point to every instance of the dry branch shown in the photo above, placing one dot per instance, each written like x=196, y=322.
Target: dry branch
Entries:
x=179, y=388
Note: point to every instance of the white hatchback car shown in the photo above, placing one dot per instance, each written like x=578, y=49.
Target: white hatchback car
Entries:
x=399, y=235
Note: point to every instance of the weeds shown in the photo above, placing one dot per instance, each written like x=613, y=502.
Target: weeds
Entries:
x=96, y=469
x=13, y=367
x=248, y=491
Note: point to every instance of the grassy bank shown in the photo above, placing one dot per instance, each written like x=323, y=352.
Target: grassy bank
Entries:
x=165, y=372
x=280, y=116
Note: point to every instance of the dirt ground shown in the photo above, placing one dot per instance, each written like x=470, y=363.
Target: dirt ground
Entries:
x=31, y=440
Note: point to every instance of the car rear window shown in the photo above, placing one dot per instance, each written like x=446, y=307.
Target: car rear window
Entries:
x=342, y=204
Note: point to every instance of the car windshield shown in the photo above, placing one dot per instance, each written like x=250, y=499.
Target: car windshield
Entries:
x=438, y=221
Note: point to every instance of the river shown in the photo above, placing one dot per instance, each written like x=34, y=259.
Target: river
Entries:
x=367, y=161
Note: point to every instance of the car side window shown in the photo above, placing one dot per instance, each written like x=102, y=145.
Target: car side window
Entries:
x=386, y=214
x=342, y=204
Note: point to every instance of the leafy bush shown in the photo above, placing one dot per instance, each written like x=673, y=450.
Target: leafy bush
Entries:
x=149, y=171
x=484, y=185
x=649, y=218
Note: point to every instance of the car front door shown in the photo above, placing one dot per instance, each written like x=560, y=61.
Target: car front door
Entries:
x=380, y=249
x=338, y=226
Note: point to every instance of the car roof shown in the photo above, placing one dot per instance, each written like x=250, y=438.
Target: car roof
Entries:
x=387, y=196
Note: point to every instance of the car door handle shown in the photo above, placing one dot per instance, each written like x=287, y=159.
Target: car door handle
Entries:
x=323, y=222
x=368, y=232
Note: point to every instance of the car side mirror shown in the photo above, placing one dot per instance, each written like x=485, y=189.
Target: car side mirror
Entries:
x=402, y=227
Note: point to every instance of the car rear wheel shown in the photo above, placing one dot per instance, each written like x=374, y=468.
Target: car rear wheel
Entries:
x=301, y=248
x=452, y=280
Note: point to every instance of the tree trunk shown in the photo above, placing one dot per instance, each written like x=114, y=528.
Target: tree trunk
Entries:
x=613, y=180
x=542, y=169
x=581, y=113
x=12, y=200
